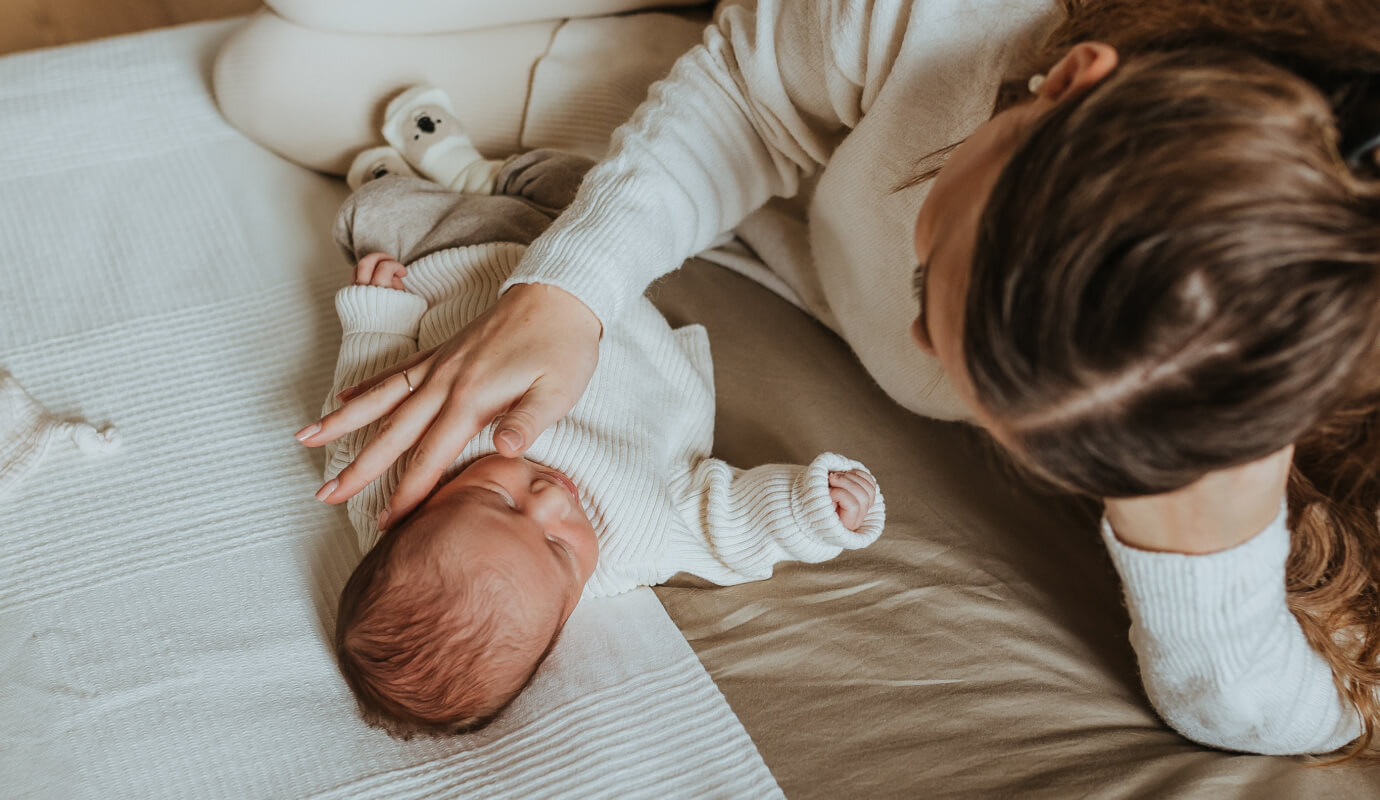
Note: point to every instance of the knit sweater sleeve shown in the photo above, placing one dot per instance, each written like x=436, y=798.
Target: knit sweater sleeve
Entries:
x=740, y=118
x=1222, y=658
x=379, y=330
x=740, y=523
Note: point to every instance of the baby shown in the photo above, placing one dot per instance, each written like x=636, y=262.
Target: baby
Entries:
x=448, y=616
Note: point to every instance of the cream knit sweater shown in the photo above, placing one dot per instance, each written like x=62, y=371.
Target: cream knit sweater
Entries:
x=637, y=444
x=825, y=105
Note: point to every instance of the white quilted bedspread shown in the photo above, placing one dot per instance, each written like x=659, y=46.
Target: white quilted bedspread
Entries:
x=165, y=610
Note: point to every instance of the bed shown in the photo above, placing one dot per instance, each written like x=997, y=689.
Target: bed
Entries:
x=165, y=609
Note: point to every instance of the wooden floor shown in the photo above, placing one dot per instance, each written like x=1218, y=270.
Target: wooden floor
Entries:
x=26, y=24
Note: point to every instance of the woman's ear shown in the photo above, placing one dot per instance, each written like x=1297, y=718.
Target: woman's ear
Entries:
x=1080, y=69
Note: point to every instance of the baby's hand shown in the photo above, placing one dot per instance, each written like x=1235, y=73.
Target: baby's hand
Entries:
x=852, y=492
x=380, y=269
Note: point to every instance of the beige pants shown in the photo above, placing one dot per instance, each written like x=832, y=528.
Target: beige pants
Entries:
x=309, y=78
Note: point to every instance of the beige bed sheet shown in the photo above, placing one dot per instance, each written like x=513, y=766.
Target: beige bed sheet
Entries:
x=978, y=649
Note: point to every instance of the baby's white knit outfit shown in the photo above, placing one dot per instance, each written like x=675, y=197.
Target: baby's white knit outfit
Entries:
x=636, y=445
x=791, y=125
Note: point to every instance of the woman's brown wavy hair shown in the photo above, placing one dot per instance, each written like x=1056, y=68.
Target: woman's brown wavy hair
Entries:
x=1177, y=272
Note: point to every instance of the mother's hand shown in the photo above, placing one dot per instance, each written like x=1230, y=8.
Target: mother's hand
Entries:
x=527, y=360
x=1217, y=512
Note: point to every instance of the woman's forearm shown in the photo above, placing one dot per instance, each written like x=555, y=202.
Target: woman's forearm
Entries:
x=740, y=119
x=1222, y=658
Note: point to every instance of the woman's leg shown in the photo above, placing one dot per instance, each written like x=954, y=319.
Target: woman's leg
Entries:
x=317, y=98
x=440, y=16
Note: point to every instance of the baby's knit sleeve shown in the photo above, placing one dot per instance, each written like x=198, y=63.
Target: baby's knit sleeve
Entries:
x=763, y=102
x=1222, y=658
x=379, y=330
x=740, y=523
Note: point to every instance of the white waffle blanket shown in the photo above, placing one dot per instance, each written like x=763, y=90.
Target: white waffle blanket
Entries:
x=166, y=608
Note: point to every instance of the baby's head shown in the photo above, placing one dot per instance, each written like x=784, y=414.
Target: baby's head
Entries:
x=446, y=620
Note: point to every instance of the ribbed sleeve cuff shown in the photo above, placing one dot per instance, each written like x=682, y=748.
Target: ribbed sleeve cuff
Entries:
x=1223, y=659
x=813, y=508
x=374, y=309
x=1196, y=599
x=593, y=252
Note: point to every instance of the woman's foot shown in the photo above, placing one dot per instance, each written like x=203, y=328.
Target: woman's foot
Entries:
x=375, y=163
x=421, y=124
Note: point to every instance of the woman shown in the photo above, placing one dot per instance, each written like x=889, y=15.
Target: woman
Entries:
x=1154, y=281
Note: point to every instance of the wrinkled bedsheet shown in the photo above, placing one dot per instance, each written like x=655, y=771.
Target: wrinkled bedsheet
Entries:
x=978, y=649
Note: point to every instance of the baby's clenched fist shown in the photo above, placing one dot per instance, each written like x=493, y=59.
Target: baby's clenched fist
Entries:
x=380, y=269
x=852, y=492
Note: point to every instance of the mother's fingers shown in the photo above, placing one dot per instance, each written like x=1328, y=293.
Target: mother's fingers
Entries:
x=384, y=374
x=379, y=401
x=540, y=408
x=403, y=428
x=453, y=428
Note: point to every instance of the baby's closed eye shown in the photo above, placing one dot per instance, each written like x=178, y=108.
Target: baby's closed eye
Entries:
x=503, y=495
x=561, y=545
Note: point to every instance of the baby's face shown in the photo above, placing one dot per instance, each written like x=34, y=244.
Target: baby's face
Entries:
x=521, y=514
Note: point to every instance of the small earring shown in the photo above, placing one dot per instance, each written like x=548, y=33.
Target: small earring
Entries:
x=1036, y=81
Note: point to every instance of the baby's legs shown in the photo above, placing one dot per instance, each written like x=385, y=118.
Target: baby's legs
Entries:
x=318, y=97
x=547, y=179
x=409, y=218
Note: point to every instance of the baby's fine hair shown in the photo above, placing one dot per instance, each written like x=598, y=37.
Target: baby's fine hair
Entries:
x=431, y=653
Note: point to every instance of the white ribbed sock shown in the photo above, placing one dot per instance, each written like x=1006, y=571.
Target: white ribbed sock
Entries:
x=421, y=124
x=375, y=163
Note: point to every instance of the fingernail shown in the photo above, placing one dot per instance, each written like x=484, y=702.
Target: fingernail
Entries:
x=509, y=437
x=327, y=490
x=384, y=517
x=308, y=432
x=346, y=393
